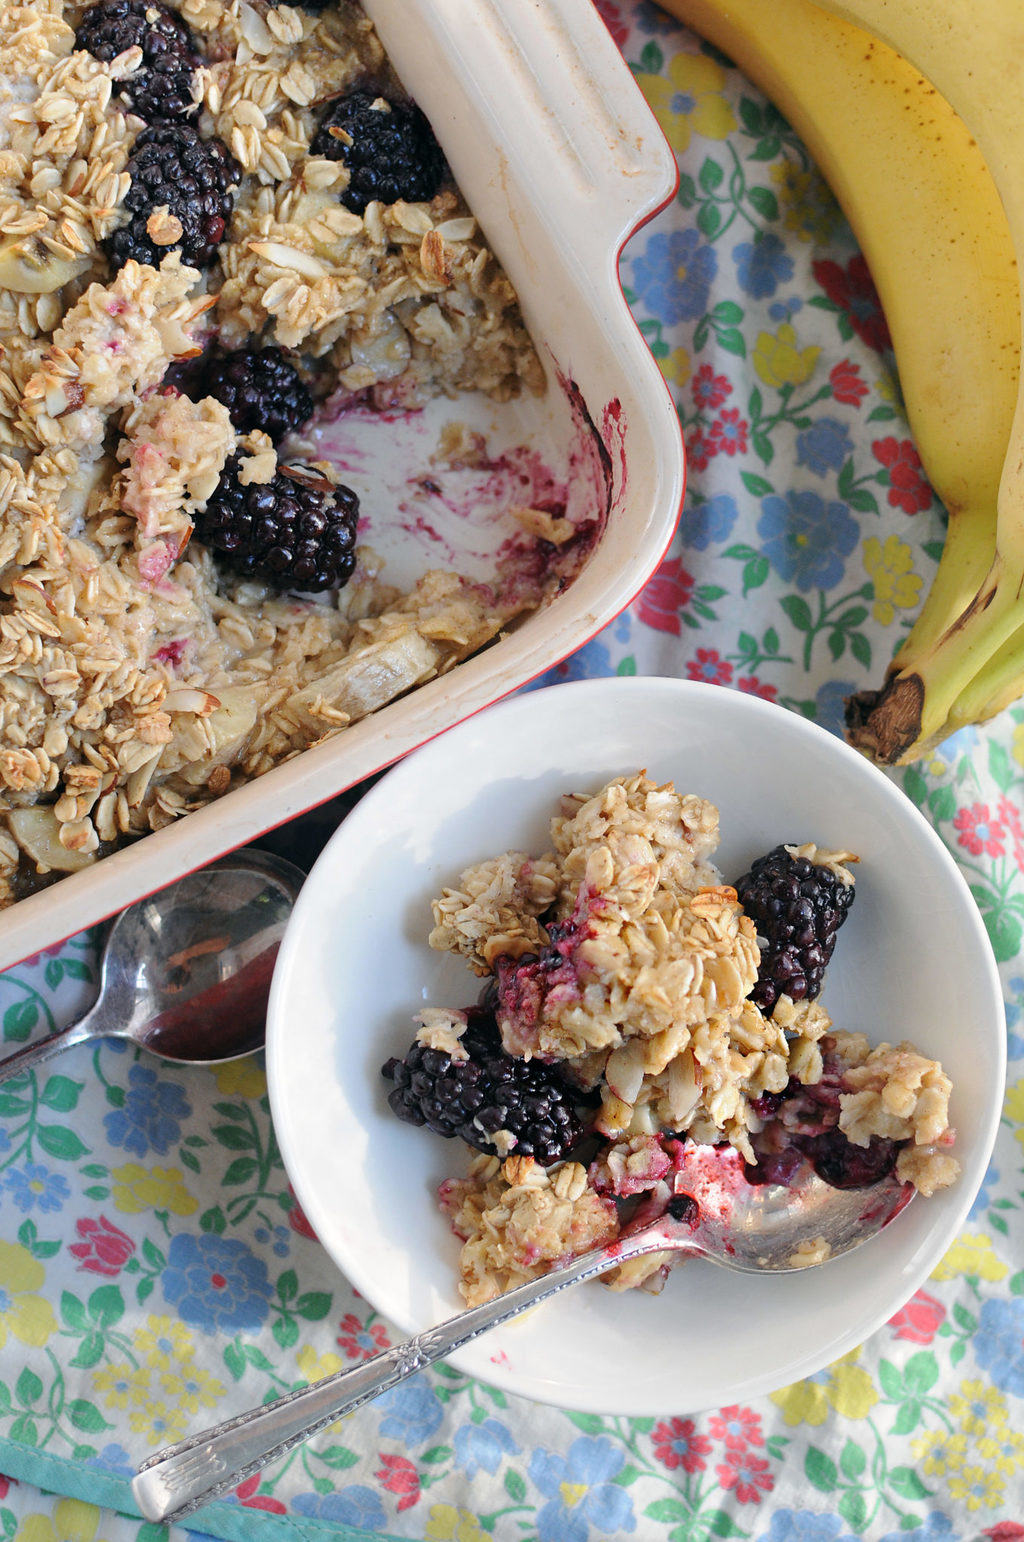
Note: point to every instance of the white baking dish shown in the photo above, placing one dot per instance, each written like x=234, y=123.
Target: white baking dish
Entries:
x=561, y=160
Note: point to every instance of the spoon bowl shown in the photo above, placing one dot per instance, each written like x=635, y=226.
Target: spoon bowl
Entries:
x=715, y=1215
x=186, y=972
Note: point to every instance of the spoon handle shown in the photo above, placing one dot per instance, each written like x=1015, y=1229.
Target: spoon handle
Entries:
x=43, y=1049
x=180, y=1479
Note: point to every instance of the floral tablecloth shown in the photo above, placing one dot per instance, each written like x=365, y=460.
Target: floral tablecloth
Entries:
x=156, y=1273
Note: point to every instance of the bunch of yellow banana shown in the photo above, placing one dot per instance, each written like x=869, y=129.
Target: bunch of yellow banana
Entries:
x=912, y=179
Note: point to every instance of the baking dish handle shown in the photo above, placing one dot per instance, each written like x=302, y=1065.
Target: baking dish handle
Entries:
x=564, y=106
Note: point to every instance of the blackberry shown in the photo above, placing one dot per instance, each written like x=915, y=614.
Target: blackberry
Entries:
x=797, y=906
x=490, y=1091
x=260, y=389
x=171, y=166
x=390, y=150
x=162, y=87
x=297, y=531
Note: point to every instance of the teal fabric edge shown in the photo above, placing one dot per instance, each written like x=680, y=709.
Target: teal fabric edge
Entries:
x=68, y=1477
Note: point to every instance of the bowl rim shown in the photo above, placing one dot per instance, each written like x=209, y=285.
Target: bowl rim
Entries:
x=927, y=1255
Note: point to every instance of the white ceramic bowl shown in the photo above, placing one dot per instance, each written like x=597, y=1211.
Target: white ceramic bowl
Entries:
x=913, y=961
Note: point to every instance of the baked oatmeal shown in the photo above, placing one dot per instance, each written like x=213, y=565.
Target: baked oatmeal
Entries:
x=639, y=1010
x=222, y=222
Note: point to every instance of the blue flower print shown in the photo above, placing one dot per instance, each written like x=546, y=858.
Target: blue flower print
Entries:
x=804, y=1526
x=702, y=523
x=216, y=1283
x=983, y=1198
x=762, y=265
x=963, y=742
x=824, y=447
x=673, y=275
x=482, y=1446
x=831, y=704
x=651, y=18
x=150, y=1119
x=412, y=1412
x=1014, y=1040
x=113, y=1458
x=936, y=1528
x=355, y=1505
x=999, y=1343
x=33, y=1187
x=806, y=539
x=279, y=1239
x=783, y=310
x=579, y=1491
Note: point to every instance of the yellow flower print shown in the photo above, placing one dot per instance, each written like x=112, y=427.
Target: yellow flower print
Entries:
x=1013, y=1107
x=164, y=1343
x=888, y=388
x=803, y=1402
x=72, y=1521
x=244, y=1078
x=687, y=98
x=778, y=361
x=971, y=1253
x=808, y=208
x=979, y=1488
x=1018, y=744
x=159, y=1424
x=930, y=1450
x=192, y=1388
x=315, y=1367
x=1004, y=1447
x=24, y=1314
x=676, y=366
x=847, y=1388
x=122, y=1386
x=138, y=1188
x=850, y=1389
x=891, y=569
x=446, y=1524
x=977, y=1407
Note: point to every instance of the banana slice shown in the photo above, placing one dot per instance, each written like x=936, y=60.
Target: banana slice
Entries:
x=36, y=832
x=367, y=680
x=28, y=268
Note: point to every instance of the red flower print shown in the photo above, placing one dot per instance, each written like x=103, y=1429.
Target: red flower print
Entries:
x=728, y=433
x=919, y=1320
x=611, y=14
x=908, y=489
x=399, y=1476
x=755, y=687
x=362, y=1342
x=1007, y=814
x=667, y=593
x=847, y=386
x=297, y=1219
x=246, y=1492
x=677, y=1444
x=979, y=831
x=709, y=389
x=748, y=1475
x=104, y=1248
x=1004, y=1531
x=710, y=666
x=698, y=450
x=738, y=1427
x=5, y=1485
x=852, y=290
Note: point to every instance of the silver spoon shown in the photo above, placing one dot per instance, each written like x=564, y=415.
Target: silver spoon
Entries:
x=752, y=1229
x=186, y=972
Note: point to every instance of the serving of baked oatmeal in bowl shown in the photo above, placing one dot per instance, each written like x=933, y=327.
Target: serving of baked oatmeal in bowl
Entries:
x=310, y=441
x=637, y=927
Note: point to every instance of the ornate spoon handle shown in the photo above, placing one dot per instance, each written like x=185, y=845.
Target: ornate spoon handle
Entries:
x=178, y=1480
